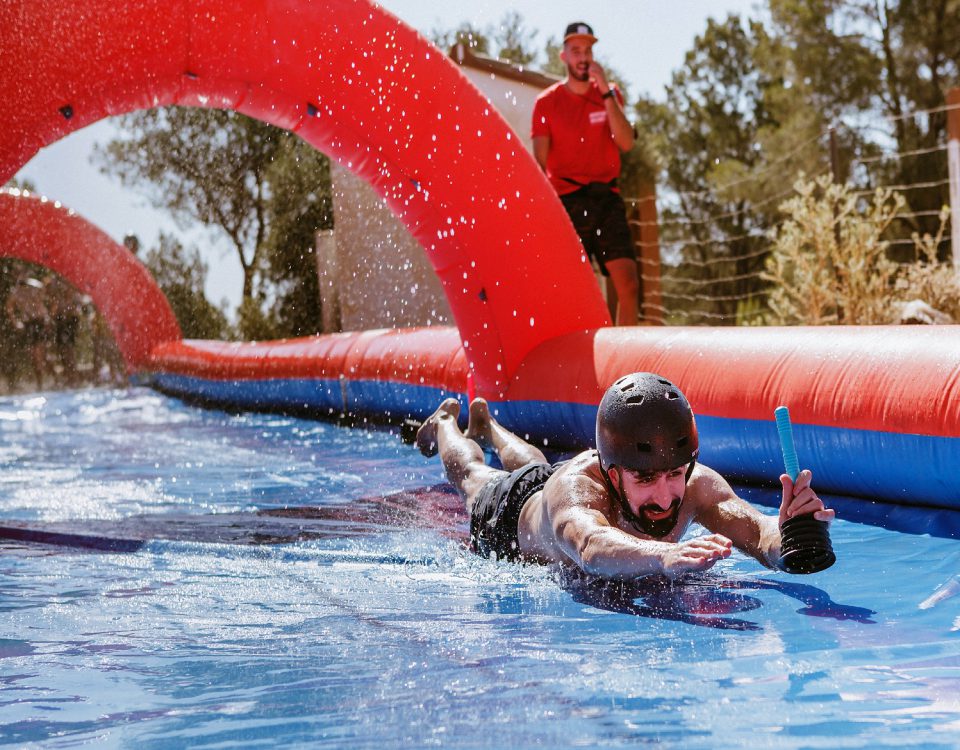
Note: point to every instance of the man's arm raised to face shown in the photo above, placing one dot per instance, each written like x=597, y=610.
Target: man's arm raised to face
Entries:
x=584, y=534
x=620, y=127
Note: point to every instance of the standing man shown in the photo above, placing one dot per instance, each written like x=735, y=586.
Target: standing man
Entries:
x=578, y=132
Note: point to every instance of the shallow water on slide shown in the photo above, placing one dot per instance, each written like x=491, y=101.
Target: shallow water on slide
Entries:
x=291, y=583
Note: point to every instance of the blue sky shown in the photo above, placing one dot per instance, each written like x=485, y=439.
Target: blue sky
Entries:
x=644, y=40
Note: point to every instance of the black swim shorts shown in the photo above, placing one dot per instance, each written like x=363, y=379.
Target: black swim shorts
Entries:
x=600, y=218
x=496, y=511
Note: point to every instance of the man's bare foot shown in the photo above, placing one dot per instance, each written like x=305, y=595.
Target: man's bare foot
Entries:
x=427, y=434
x=479, y=427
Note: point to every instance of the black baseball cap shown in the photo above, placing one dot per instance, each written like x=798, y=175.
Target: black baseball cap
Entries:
x=579, y=28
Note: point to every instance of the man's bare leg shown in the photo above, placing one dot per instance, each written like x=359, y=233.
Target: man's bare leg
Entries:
x=514, y=452
x=463, y=459
x=426, y=439
x=626, y=280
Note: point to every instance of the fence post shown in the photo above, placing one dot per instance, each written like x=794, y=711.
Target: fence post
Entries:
x=953, y=160
x=646, y=238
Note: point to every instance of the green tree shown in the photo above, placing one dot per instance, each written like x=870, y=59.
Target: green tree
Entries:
x=14, y=357
x=720, y=107
x=750, y=109
x=830, y=261
x=879, y=63
x=474, y=39
x=553, y=64
x=301, y=205
x=230, y=172
x=513, y=41
x=15, y=183
x=508, y=40
x=181, y=274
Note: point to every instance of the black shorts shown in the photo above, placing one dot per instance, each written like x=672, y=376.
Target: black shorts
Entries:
x=600, y=218
x=496, y=511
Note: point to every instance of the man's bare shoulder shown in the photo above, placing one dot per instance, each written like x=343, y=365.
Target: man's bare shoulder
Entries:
x=578, y=481
x=707, y=488
x=585, y=463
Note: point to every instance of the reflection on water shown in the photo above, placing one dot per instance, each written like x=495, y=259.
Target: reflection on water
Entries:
x=295, y=584
x=706, y=600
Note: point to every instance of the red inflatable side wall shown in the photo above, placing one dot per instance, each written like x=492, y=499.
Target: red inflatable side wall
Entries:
x=363, y=88
x=42, y=232
x=878, y=378
x=429, y=357
x=876, y=410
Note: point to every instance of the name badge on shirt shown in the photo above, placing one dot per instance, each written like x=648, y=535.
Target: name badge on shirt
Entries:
x=598, y=117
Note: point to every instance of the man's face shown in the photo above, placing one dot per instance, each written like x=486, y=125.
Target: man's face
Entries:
x=655, y=498
x=578, y=54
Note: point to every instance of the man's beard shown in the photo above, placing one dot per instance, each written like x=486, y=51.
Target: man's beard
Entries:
x=577, y=75
x=660, y=528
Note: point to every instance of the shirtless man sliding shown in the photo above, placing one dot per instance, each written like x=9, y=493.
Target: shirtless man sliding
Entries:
x=619, y=511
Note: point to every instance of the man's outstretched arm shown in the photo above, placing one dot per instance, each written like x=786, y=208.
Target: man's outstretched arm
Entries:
x=754, y=533
x=586, y=537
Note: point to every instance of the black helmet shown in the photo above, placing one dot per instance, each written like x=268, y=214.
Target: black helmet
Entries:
x=644, y=423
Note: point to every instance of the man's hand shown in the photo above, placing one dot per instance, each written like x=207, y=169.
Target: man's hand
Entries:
x=598, y=75
x=800, y=499
x=701, y=553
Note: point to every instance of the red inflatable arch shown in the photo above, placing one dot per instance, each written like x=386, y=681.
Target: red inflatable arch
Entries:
x=360, y=86
x=43, y=232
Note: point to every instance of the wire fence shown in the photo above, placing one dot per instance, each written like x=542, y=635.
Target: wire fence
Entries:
x=714, y=244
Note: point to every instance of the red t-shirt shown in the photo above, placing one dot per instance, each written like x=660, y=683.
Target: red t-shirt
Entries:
x=581, y=142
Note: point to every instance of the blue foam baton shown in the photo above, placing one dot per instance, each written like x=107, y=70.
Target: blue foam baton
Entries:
x=790, y=463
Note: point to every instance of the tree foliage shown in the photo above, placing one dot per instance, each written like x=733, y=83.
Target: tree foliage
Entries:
x=928, y=278
x=263, y=189
x=181, y=274
x=749, y=111
x=508, y=40
x=878, y=63
x=75, y=343
x=514, y=42
x=473, y=38
x=722, y=109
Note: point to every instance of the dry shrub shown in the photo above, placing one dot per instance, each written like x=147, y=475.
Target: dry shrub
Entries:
x=829, y=263
x=928, y=279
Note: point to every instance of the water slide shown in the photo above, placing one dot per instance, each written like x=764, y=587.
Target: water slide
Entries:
x=876, y=410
